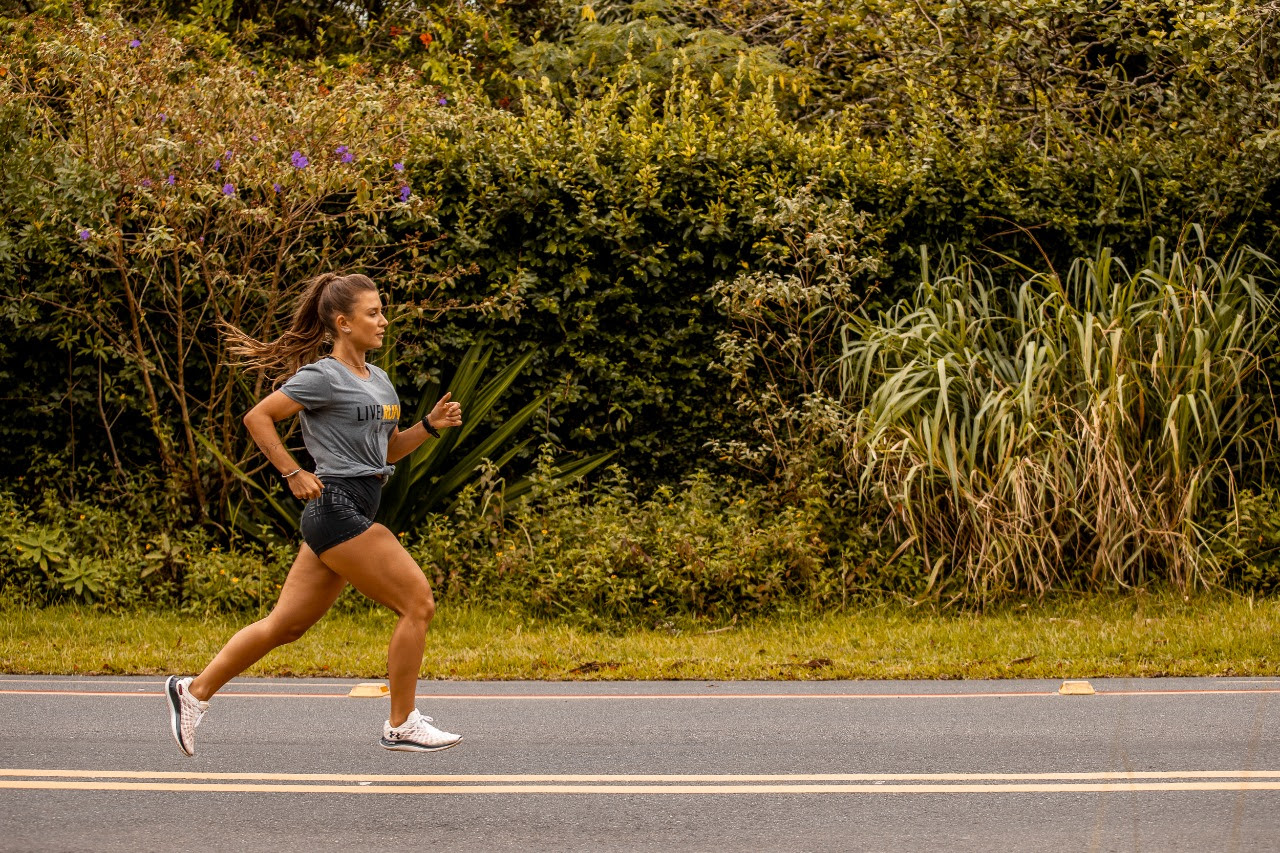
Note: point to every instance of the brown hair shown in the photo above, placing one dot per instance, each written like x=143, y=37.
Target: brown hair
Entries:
x=323, y=298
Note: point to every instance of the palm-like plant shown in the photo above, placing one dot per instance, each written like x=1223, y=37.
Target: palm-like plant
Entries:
x=430, y=478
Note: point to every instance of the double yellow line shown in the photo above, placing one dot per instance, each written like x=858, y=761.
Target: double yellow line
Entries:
x=685, y=784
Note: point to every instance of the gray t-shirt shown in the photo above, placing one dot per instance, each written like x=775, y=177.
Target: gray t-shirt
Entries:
x=346, y=421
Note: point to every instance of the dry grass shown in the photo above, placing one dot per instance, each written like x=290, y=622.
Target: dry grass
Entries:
x=1065, y=431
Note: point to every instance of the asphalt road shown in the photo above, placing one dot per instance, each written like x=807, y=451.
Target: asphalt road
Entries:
x=1160, y=765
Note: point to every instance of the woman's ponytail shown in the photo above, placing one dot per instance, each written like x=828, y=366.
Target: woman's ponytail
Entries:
x=322, y=299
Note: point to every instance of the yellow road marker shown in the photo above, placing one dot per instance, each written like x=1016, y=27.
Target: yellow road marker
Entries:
x=370, y=689
x=1076, y=688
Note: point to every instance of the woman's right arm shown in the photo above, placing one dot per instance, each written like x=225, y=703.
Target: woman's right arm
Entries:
x=261, y=423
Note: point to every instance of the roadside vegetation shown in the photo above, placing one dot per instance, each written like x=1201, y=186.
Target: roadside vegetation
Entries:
x=1144, y=635
x=758, y=310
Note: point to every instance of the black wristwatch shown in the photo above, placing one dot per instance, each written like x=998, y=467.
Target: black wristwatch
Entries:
x=432, y=431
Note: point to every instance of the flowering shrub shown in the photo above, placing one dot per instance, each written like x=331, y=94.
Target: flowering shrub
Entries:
x=205, y=195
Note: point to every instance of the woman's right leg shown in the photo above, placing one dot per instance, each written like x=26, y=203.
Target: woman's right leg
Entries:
x=309, y=591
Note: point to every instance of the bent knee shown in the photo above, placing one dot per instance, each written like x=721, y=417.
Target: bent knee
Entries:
x=421, y=607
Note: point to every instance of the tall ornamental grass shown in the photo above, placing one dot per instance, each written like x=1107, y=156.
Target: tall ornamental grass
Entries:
x=1068, y=430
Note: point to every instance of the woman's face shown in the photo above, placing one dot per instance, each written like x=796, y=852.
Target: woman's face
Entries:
x=365, y=320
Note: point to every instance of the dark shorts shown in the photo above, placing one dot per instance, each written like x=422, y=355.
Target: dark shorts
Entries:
x=344, y=510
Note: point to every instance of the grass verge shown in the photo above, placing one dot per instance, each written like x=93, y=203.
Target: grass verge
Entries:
x=1134, y=635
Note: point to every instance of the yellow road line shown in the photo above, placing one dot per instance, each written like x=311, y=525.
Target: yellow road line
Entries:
x=1105, y=776
x=1005, y=788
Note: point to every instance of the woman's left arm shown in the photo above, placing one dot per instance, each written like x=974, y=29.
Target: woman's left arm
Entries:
x=444, y=414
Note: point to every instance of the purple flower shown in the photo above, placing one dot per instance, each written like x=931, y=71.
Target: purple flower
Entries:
x=399, y=167
x=163, y=117
x=405, y=192
x=85, y=233
x=217, y=165
x=341, y=149
x=348, y=157
x=228, y=189
x=299, y=160
x=253, y=138
x=444, y=102
x=135, y=43
x=171, y=180
x=146, y=182
x=276, y=187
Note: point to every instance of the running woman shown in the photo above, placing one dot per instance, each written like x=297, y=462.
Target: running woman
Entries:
x=350, y=413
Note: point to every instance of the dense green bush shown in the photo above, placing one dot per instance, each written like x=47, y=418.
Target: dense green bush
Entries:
x=711, y=548
x=587, y=240
x=578, y=183
x=1250, y=542
x=592, y=227
x=707, y=549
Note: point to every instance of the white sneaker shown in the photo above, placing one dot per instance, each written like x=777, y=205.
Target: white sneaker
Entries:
x=185, y=712
x=416, y=734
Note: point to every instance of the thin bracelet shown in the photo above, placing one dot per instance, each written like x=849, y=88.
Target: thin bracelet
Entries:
x=432, y=431
x=291, y=473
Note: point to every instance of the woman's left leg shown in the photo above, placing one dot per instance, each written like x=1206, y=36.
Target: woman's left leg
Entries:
x=378, y=565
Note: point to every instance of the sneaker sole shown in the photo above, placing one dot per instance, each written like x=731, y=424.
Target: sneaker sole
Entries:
x=402, y=746
x=175, y=713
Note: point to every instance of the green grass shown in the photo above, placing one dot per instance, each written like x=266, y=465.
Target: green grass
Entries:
x=1135, y=635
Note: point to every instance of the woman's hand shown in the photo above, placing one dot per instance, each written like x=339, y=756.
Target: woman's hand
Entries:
x=445, y=413
x=305, y=486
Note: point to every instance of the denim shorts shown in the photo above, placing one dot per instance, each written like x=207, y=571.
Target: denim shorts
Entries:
x=344, y=510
